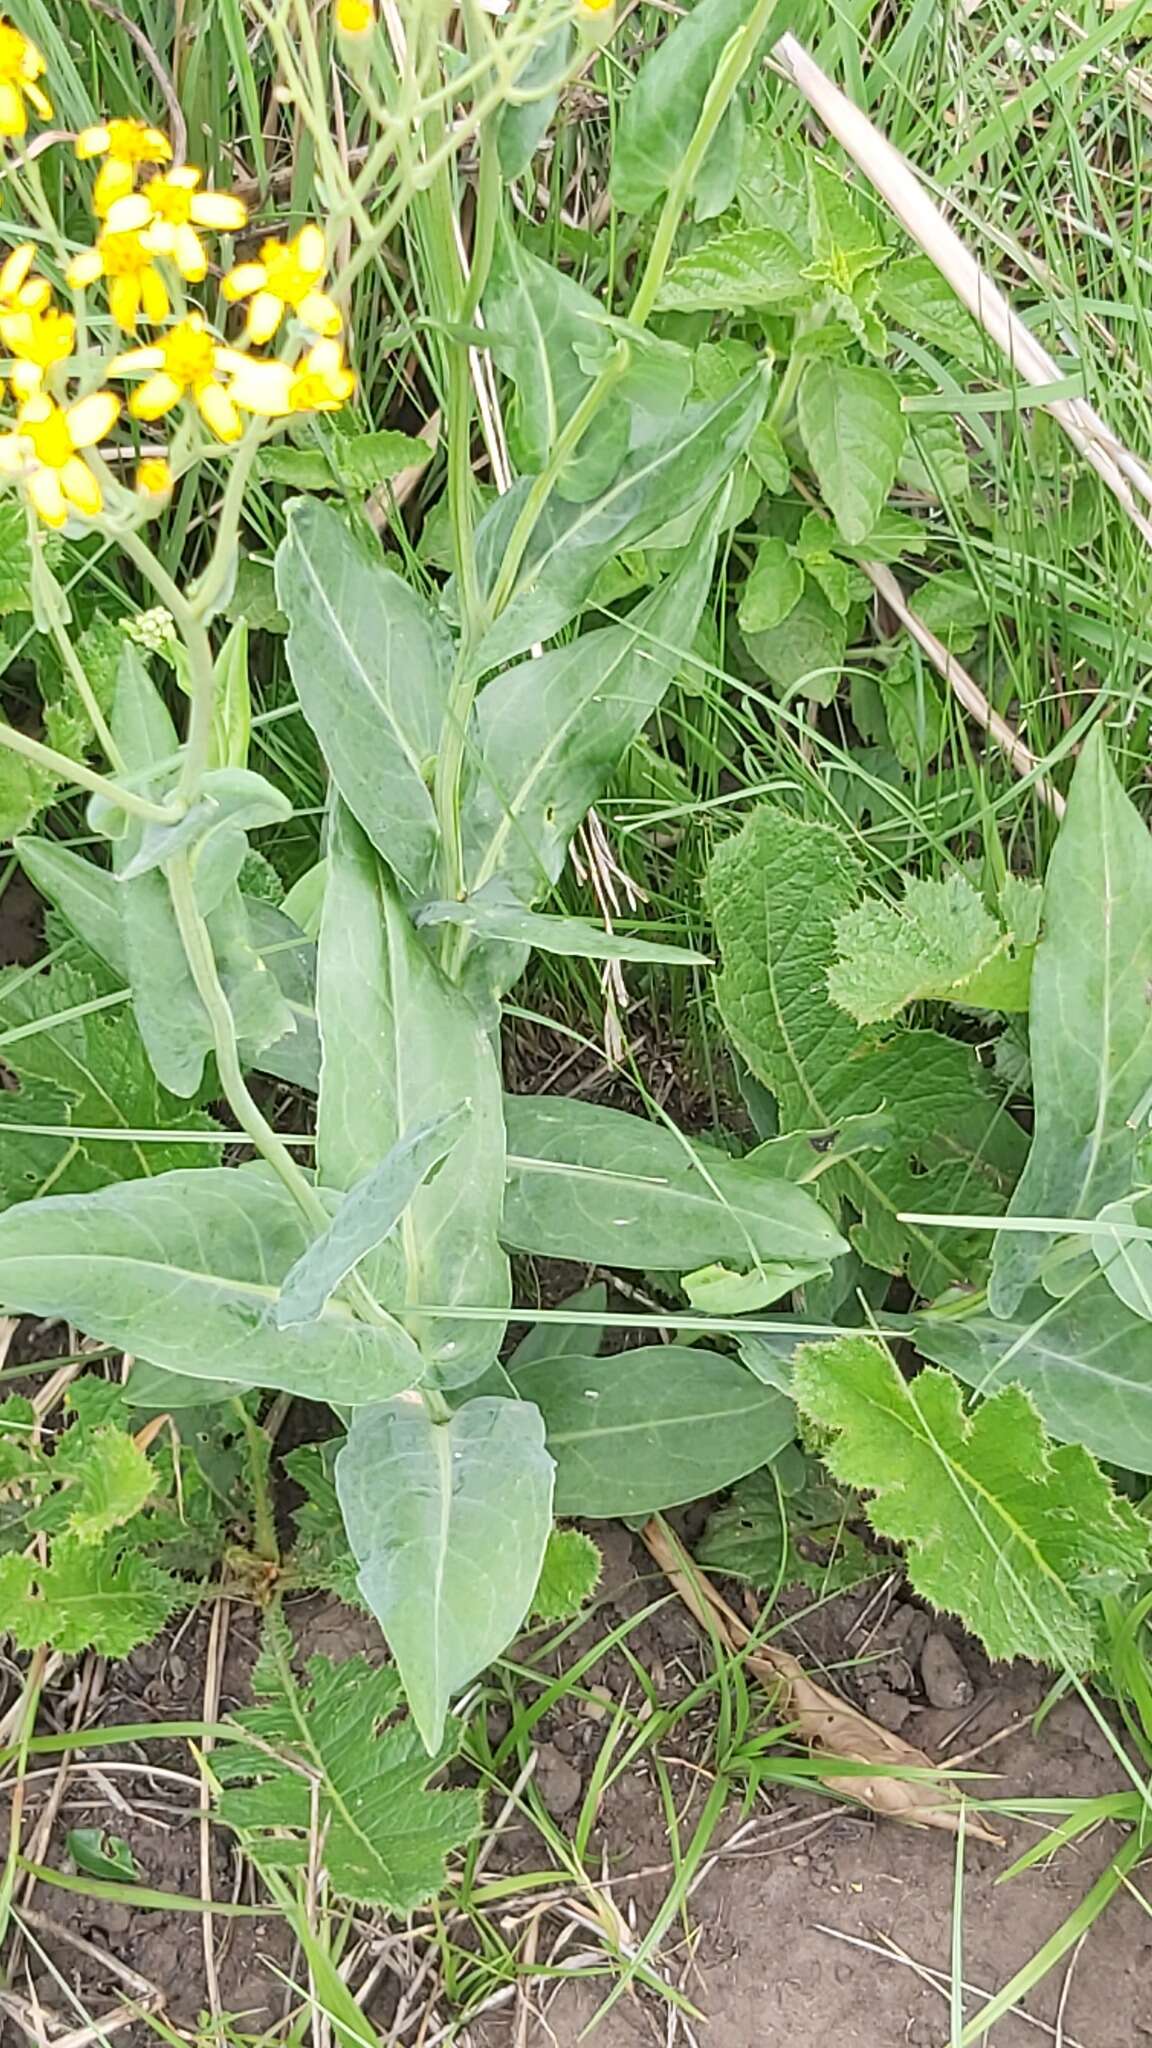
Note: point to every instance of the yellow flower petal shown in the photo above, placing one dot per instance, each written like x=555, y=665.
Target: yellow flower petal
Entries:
x=263, y=387
x=320, y=313
x=26, y=378
x=129, y=214
x=264, y=316
x=189, y=254
x=242, y=281
x=355, y=17
x=157, y=304
x=39, y=99
x=92, y=142
x=310, y=248
x=14, y=453
x=85, y=268
x=219, y=412
x=47, y=496
x=13, y=119
x=154, y=478
x=124, y=301
x=156, y=397
x=113, y=182
x=15, y=269
x=91, y=418
x=219, y=210
x=78, y=484
x=134, y=359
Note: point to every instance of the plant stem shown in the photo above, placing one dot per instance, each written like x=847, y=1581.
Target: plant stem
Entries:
x=202, y=963
x=88, y=778
x=193, y=632
x=75, y=669
x=263, y=1519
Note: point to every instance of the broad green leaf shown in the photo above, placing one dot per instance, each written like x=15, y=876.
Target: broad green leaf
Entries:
x=15, y=556
x=1085, y=1359
x=150, y=1387
x=371, y=664
x=935, y=459
x=364, y=1782
x=537, y=318
x=87, y=1597
x=1090, y=1019
x=98, y=1854
x=24, y=792
x=715, y=1290
x=1123, y=1254
x=184, y=1270
x=939, y=943
x=551, y=732
x=520, y=126
x=774, y=587
x=448, y=1521
x=402, y=1047
x=651, y=1428
x=773, y=186
x=913, y=710
x=84, y=894
x=680, y=468
x=598, y=1185
x=290, y=958
x=845, y=244
x=661, y=112
x=561, y=1340
x=569, y=1575
x=913, y=293
x=998, y=1526
x=854, y=431
x=89, y=1072
x=737, y=272
x=368, y=1214
x=748, y=1536
x=494, y=915
x=232, y=802
x=804, y=654
x=778, y=892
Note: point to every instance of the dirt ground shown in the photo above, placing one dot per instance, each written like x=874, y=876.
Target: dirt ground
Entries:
x=810, y=1924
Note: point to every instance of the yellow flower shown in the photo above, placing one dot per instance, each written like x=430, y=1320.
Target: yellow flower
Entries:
x=133, y=279
x=320, y=382
x=154, y=481
x=20, y=293
x=38, y=341
x=21, y=64
x=289, y=274
x=43, y=453
x=355, y=17
x=186, y=364
x=169, y=208
x=124, y=145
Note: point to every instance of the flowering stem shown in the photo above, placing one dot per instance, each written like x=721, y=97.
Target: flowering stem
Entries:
x=75, y=669
x=68, y=770
x=202, y=668
x=207, y=593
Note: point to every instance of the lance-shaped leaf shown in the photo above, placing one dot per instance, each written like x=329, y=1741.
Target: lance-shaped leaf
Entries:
x=1090, y=1020
x=551, y=731
x=651, y=1428
x=496, y=914
x=84, y=894
x=598, y=1185
x=999, y=1527
x=184, y=1270
x=371, y=664
x=401, y=1047
x=1085, y=1359
x=366, y=1216
x=448, y=1522
x=666, y=101
x=680, y=468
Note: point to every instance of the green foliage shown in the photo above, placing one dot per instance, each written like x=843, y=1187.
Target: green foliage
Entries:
x=333, y=1751
x=569, y=1575
x=753, y=1534
x=780, y=891
x=1017, y=1538
x=939, y=943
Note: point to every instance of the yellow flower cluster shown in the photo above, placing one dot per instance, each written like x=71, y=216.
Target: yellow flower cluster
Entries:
x=151, y=217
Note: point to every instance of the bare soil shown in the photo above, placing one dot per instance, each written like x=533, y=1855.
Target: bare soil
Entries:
x=811, y=1923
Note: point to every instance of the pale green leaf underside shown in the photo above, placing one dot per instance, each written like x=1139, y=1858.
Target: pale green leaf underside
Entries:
x=184, y=1270
x=448, y=1522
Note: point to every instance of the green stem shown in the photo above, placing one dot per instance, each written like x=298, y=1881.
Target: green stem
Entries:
x=88, y=778
x=263, y=1520
x=75, y=668
x=202, y=667
x=197, y=944
x=209, y=589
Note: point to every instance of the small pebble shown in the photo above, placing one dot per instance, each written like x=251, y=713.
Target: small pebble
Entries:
x=887, y=1708
x=944, y=1678
x=558, y=1782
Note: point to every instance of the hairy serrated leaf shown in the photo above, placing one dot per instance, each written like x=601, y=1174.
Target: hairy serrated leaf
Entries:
x=569, y=1575
x=998, y=1526
x=940, y=942
x=779, y=890
x=87, y=1597
x=111, y=1479
x=385, y=1832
